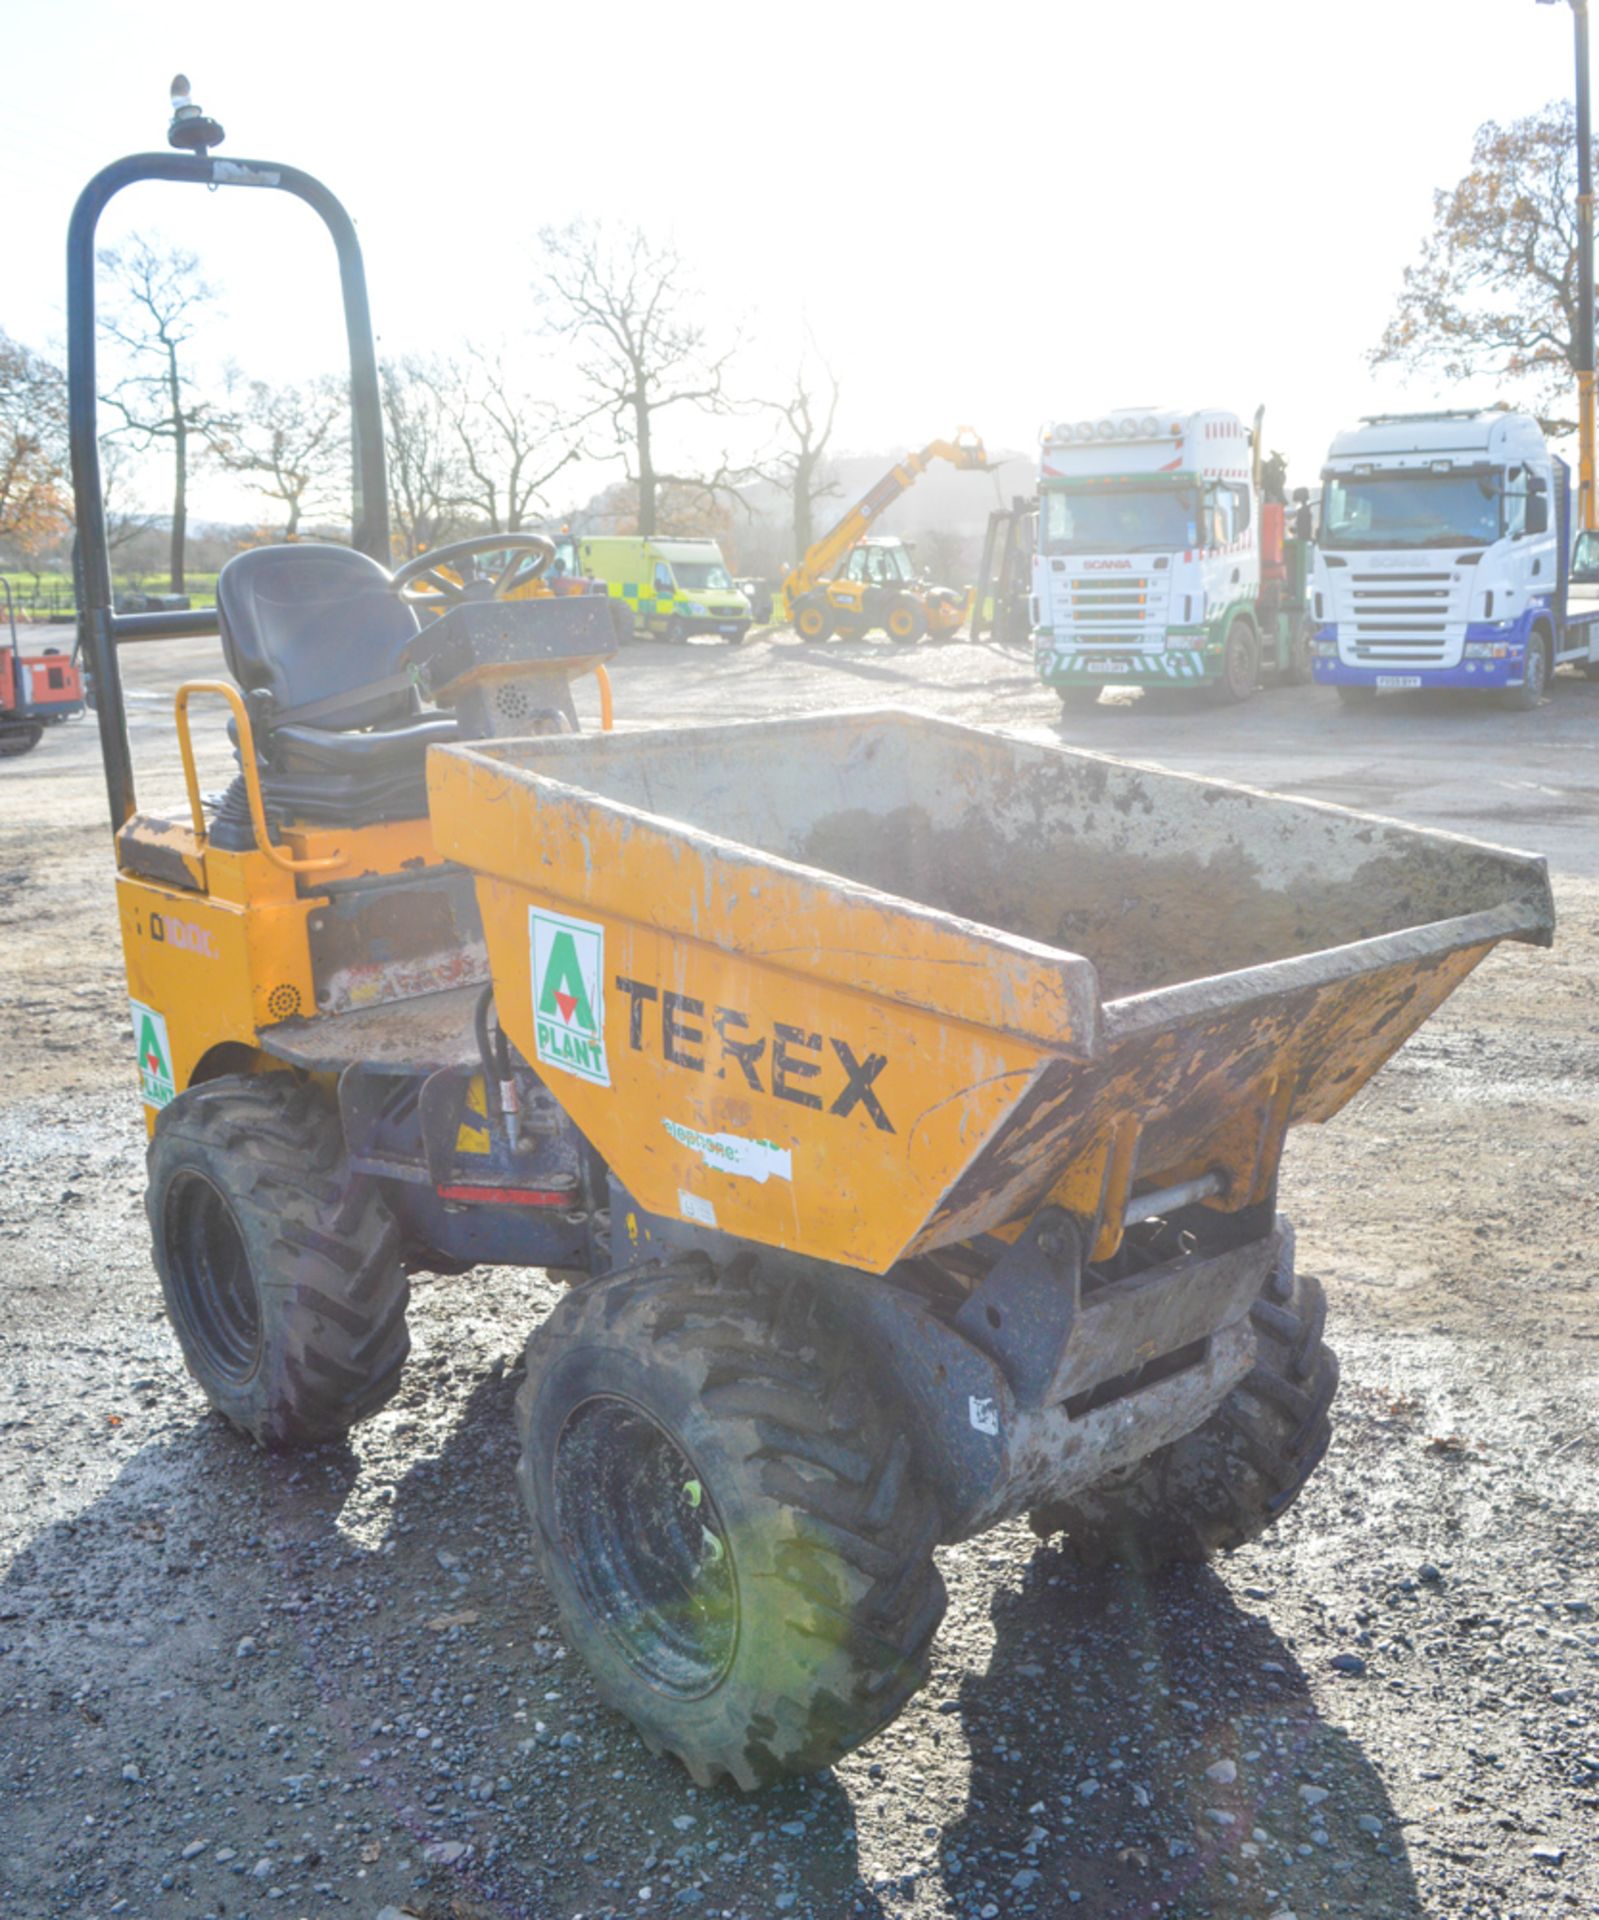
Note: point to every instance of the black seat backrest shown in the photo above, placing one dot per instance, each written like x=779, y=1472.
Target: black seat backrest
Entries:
x=321, y=630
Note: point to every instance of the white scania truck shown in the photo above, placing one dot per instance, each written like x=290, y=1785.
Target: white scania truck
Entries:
x=1443, y=559
x=1162, y=558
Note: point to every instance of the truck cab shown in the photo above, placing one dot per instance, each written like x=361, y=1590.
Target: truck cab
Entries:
x=1148, y=565
x=1440, y=557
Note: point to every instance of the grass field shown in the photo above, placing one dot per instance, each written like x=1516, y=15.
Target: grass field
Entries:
x=50, y=596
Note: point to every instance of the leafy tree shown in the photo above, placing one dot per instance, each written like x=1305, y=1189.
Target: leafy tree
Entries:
x=34, y=490
x=683, y=509
x=154, y=317
x=624, y=301
x=1493, y=296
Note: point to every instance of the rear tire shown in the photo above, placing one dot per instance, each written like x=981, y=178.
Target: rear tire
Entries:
x=16, y=741
x=280, y=1268
x=1301, y=668
x=729, y=1516
x=1225, y=1483
x=905, y=621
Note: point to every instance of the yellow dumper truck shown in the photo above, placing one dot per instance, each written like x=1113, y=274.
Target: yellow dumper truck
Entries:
x=904, y=1103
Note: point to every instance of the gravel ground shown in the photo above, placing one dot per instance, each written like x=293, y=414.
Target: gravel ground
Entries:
x=242, y=1686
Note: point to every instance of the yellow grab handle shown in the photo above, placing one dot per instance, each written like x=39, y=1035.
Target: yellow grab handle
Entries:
x=605, y=698
x=252, y=776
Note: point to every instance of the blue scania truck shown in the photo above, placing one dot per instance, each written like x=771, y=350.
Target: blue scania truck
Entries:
x=1444, y=559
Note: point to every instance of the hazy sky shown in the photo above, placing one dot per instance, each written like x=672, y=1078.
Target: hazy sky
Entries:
x=993, y=214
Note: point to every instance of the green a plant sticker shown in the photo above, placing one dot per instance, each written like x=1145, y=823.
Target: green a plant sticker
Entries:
x=569, y=994
x=156, y=1085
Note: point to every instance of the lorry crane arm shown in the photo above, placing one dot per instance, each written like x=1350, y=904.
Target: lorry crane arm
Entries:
x=819, y=562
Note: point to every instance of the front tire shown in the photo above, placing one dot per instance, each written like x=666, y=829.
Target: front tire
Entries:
x=729, y=1518
x=1540, y=664
x=813, y=619
x=1225, y=1483
x=280, y=1268
x=1240, y=666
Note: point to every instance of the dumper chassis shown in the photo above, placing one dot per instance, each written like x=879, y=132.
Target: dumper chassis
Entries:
x=903, y=1103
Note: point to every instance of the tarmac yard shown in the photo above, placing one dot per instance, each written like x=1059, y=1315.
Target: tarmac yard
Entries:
x=240, y=1685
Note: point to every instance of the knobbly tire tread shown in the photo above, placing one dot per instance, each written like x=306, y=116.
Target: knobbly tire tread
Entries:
x=778, y=1402
x=1225, y=1483
x=332, y=1288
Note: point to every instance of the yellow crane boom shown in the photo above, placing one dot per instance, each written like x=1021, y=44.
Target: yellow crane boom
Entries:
x=819, y=563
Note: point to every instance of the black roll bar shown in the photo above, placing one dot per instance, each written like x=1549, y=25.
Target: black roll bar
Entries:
x=100, y=629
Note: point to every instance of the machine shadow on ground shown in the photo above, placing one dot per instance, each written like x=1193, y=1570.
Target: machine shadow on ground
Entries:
x=374, y=1608
x=1093, y=1727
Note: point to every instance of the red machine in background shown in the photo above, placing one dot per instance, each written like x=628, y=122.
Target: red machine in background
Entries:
x=36, y=689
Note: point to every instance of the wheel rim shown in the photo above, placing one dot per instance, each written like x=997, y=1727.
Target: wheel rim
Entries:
x=1537, y=669
x=646, y=1546
x=215, y=1289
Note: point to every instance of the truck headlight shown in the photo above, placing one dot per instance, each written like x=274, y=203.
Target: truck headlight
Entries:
x=696, y=606
x=1326, y=649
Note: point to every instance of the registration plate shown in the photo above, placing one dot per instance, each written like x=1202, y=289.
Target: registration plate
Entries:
x=1105, y=666
x=1394, y=680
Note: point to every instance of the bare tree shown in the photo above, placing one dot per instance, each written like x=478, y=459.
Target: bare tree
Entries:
x=155, y=317
x=624, y=300
x=943, y=554
x=799, y=468
x=124, y=521
x=33, y=447
x=294, y=444
x=509, y=445
x=423, y=454
x=1494, y=294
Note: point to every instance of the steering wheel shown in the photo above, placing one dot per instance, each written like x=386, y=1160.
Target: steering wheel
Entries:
x=422, y=583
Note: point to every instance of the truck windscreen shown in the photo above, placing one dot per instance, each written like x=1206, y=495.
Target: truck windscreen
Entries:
x=1120, y=520
x=1410, y=510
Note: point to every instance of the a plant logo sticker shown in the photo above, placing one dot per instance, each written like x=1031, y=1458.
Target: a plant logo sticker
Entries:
x=569, y=994
x=156, y=1085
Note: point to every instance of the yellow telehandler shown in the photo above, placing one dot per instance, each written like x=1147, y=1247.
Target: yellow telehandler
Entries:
x=847, y=584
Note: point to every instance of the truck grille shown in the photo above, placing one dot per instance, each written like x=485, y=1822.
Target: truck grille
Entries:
x=1122, y=610
x=1401, y=618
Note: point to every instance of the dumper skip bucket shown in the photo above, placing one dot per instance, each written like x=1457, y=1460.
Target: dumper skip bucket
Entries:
x=860, y=985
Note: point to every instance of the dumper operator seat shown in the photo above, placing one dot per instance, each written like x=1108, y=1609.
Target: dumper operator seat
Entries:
x=315, y=636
